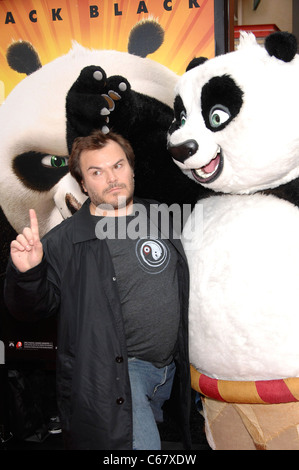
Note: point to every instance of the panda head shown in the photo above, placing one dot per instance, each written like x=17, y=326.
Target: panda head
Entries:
x=236, y=126
x=33, y=146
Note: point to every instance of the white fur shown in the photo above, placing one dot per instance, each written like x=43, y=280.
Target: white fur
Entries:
x=244, y=299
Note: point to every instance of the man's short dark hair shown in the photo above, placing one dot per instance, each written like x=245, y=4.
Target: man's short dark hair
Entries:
x=95, y=141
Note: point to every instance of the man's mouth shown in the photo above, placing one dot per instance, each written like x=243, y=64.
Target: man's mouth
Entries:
x=209, y=172
x=113, y=188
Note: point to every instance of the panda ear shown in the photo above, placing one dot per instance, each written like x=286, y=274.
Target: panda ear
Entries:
x=195, y=62
x=22, y=57
x=145, y=37
x=281, y=45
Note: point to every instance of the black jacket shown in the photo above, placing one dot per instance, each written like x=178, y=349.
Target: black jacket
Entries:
x=76, y=279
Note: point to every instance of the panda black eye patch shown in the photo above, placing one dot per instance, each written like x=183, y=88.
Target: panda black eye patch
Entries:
x=40, y=171
x=221, y=101
x=179, y=111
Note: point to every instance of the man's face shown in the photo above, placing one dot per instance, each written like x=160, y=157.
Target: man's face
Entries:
x=107, y=176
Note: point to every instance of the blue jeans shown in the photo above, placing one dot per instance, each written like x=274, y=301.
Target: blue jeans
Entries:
x=150, y=388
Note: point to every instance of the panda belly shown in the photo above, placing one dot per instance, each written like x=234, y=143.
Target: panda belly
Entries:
x=244, y=295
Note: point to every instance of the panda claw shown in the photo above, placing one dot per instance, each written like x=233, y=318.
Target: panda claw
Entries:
x=97, y=75
x=105, y=112
x=123, y=86
x=105, y=129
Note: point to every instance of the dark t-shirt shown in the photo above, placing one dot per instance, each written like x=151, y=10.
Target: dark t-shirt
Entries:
x=146, y=272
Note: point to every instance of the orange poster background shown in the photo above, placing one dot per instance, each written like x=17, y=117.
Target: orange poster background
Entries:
x=189, y=32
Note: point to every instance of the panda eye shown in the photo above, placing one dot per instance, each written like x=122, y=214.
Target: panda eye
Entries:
x=183, y=118
x=219, y=114
x=52, y=161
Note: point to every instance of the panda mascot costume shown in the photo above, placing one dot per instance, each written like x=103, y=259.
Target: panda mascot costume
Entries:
x=236, y=133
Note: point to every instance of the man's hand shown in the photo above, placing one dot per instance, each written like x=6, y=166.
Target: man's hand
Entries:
x=27, y=250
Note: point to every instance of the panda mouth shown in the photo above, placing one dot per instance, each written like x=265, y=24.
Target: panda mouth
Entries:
x=209, y=172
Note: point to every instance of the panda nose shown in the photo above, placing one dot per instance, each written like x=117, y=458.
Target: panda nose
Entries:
x=183, y=151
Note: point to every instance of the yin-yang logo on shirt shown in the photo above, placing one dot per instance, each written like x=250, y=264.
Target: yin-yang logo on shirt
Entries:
x=152, y=254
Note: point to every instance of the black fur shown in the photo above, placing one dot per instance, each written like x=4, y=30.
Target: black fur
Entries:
x=29, y=168
x=196, y=62
x=221, y=91
x=281, y=45
x=179, y=111
x=288, y=191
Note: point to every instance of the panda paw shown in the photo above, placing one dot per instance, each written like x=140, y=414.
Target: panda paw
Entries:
x=117, y=89
x=95, y=97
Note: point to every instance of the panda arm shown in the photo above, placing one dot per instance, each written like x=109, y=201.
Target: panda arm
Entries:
x=288, y=192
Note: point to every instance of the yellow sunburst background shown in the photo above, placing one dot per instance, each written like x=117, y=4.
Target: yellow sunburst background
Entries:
x=189, y=32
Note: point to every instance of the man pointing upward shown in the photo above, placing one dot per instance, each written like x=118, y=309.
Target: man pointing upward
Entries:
x=122, y=314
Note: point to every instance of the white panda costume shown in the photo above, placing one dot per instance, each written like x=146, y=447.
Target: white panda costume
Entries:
x=236, y=132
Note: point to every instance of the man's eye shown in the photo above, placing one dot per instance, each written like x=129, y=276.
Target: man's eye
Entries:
x=52, y=161
x=219, y=115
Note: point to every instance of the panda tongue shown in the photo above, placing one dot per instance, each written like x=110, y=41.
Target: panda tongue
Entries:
x=210, y=167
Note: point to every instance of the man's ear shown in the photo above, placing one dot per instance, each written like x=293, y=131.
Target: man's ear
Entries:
x=83, y=189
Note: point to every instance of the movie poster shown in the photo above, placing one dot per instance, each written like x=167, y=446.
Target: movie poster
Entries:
x=51, y=26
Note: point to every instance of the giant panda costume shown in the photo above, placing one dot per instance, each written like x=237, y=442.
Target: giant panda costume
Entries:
x=236, y=132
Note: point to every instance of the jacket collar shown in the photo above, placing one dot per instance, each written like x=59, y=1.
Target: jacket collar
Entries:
x=84, y=224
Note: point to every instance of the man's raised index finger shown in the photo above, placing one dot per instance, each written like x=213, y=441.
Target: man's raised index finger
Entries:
x=34, y=224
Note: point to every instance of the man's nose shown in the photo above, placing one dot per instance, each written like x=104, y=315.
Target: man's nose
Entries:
x=111, y=176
